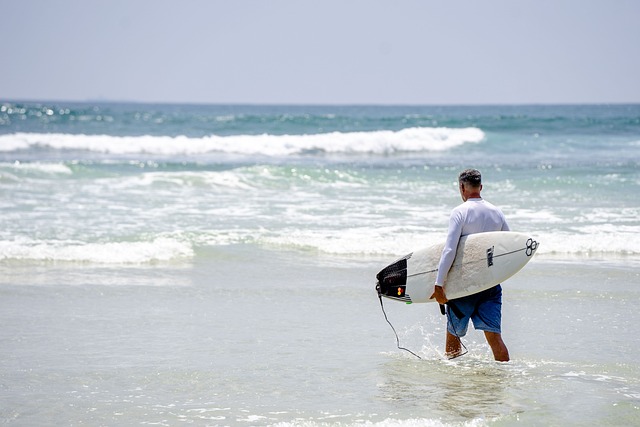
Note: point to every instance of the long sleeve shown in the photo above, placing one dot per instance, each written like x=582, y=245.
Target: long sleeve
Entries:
x=473, y=216
x=454, y=233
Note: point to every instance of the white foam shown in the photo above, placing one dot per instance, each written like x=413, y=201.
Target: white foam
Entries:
x=374, y=142
x=598, y=242
x=139, y=252
x=219, y=179
x=390, y=422
x=46, y=168
x=391, y=241
x=398, y=241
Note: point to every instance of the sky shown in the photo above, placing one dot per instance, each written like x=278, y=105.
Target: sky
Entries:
x=321, y=52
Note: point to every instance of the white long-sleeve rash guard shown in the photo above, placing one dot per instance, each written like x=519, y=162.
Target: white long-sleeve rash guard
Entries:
x=472, y=216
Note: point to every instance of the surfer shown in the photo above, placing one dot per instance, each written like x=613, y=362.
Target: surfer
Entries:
x=474, y=215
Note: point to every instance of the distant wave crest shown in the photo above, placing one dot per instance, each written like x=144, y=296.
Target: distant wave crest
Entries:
x=139, y=252
x=417, y=139
x=390, y=242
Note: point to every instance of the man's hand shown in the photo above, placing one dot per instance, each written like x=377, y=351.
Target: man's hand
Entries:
x=438, y=294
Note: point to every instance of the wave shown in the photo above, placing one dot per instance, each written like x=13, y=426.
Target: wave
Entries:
x=395, y=243
x=161, y=249
x=390, y=242
x=417, y=139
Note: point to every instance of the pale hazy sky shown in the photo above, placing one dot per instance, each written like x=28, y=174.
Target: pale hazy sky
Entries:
x=322, y=52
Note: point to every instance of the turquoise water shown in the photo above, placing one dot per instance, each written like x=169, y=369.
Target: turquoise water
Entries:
x=168, y=264
x=340, y=180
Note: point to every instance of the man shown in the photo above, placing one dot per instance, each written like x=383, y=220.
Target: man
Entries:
x=474, y=215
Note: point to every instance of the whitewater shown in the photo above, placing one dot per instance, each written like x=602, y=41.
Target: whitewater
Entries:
x=168, y=264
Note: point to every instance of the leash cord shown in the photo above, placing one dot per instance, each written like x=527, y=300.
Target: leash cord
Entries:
x=462, y=352
x=394, y=330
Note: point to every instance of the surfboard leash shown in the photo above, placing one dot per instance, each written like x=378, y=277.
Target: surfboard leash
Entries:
x=442, y=308
x=394, y=329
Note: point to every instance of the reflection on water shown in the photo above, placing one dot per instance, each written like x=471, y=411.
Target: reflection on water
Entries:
x=477, y=389
x=463, y=389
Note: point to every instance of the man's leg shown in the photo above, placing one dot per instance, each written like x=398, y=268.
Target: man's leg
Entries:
x=458, y=314
x=452, y=346
x=500, y=351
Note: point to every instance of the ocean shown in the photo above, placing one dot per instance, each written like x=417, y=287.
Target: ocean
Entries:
x=215, y=265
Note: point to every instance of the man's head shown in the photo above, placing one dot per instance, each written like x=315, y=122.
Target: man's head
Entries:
x=470, y=183
x=470, y=177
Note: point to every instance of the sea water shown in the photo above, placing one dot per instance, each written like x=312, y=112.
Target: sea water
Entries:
x=215, y=265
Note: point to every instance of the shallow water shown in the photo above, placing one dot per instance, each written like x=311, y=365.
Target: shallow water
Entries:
x=249, y=344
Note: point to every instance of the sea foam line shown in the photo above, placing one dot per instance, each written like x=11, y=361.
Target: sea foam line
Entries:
x=415, y=139
x=389, y=242
x=161, y=249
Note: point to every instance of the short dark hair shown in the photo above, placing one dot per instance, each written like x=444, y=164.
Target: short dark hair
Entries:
x=472, y=177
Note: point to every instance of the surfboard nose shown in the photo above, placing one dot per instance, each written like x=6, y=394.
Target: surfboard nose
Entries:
x=531, y=247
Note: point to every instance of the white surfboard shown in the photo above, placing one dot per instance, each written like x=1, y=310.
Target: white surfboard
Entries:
x=483, y=260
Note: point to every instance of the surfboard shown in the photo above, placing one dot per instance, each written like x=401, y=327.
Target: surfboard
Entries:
x=482, y=261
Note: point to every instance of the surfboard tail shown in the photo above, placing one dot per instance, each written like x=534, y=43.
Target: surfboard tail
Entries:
x=392, y=281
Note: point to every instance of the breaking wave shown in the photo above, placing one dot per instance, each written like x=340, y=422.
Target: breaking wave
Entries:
x=417, y=139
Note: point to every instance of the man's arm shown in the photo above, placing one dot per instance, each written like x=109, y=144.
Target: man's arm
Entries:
x=448, y=255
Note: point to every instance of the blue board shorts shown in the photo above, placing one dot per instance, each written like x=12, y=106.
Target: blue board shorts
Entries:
x=483, y=308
